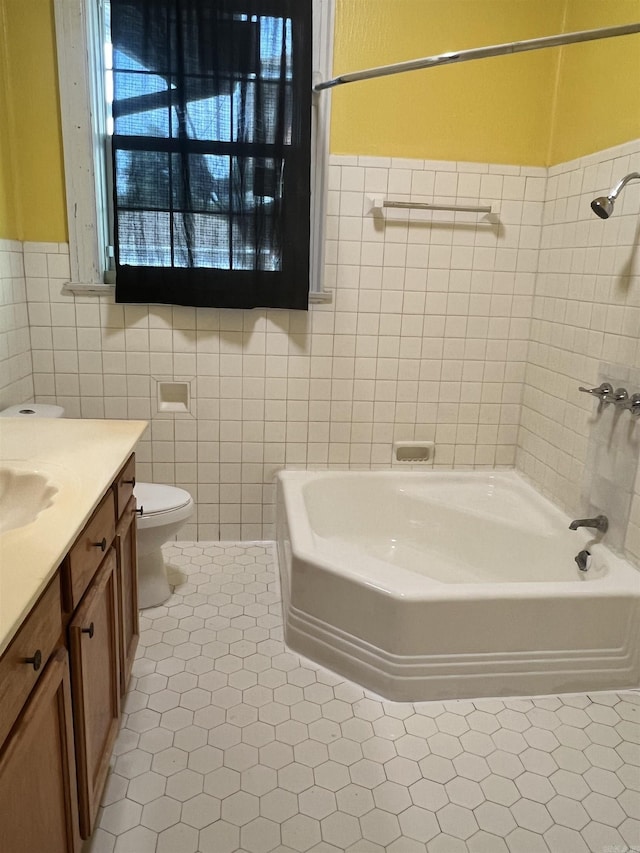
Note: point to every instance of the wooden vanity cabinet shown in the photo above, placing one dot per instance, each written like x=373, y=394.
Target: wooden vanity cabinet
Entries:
x=58, y=721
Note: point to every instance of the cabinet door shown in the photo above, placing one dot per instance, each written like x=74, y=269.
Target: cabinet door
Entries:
x=128, y=591
x=95, y=680
x=38, y=800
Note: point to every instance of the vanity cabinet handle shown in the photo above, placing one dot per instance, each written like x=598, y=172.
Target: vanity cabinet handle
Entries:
x=131, y=482
x=140, y=510
x=36, y=660
x=88, y=631
x=102, y=545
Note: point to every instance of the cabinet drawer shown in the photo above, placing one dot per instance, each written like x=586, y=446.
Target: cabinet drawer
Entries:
x=124, y=483
x=36, y=638
x=91, y=546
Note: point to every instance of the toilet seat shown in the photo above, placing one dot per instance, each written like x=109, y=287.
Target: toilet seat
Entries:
x=164, y=511
x=161, y=504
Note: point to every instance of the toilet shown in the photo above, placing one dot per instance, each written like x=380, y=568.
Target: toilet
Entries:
x=164, y=511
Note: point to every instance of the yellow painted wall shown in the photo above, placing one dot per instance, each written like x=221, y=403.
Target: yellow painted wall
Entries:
x=9, y=225
x=598, y=101
x=492, y=110
x=34, y=153
x=535, y=108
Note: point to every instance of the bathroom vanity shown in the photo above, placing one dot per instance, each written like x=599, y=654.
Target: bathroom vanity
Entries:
x=68, y=623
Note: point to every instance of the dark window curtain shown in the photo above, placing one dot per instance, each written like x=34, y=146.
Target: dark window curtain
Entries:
x=211, y=151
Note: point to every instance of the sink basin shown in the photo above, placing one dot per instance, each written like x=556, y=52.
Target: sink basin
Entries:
x=24, y=494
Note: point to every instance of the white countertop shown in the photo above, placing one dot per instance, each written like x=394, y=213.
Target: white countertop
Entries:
x=81, y=458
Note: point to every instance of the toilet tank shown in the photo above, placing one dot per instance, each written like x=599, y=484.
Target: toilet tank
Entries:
x=33, y=410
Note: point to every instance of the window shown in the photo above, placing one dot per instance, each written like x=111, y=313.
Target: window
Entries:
x=211, y=151
x=207, y=187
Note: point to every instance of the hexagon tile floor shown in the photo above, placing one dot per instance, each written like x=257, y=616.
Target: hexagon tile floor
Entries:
x=232, y=743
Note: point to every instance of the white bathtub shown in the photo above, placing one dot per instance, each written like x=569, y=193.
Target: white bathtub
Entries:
x=450, y=585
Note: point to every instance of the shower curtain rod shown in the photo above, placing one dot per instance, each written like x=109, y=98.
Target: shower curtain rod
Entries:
x=479, y=53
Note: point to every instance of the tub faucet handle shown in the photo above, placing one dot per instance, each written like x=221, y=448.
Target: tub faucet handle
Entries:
x=604, y=391
x=620, y=397
x=633, y=404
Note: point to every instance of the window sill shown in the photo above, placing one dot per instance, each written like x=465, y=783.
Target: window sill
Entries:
x=88, y=289
x=320, y=297
x=96, y=289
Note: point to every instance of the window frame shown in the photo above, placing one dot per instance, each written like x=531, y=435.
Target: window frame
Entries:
x=79, y=27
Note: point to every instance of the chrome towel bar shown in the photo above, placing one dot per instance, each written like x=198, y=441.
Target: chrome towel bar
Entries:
x=419, y=205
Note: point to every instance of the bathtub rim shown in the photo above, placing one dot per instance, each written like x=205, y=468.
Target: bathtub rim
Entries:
x=402, y=584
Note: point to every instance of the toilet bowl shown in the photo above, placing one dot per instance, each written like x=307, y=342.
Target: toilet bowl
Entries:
x=164, y=509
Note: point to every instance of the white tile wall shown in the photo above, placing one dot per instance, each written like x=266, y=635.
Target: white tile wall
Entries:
x=16, y=374
x=586, y=313
x=426, y=339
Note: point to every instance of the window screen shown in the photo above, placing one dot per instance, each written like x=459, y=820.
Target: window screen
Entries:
x=211, y=150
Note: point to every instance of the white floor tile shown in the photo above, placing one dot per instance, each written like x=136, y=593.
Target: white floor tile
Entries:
x=232, y=744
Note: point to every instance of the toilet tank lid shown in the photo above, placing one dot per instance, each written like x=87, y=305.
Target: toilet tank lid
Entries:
x=155, y=497
x=33, y=410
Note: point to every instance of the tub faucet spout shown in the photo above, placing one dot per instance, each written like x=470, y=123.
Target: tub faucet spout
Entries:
x=600, y=522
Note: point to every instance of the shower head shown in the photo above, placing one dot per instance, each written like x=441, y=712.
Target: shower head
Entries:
x=603, y=205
